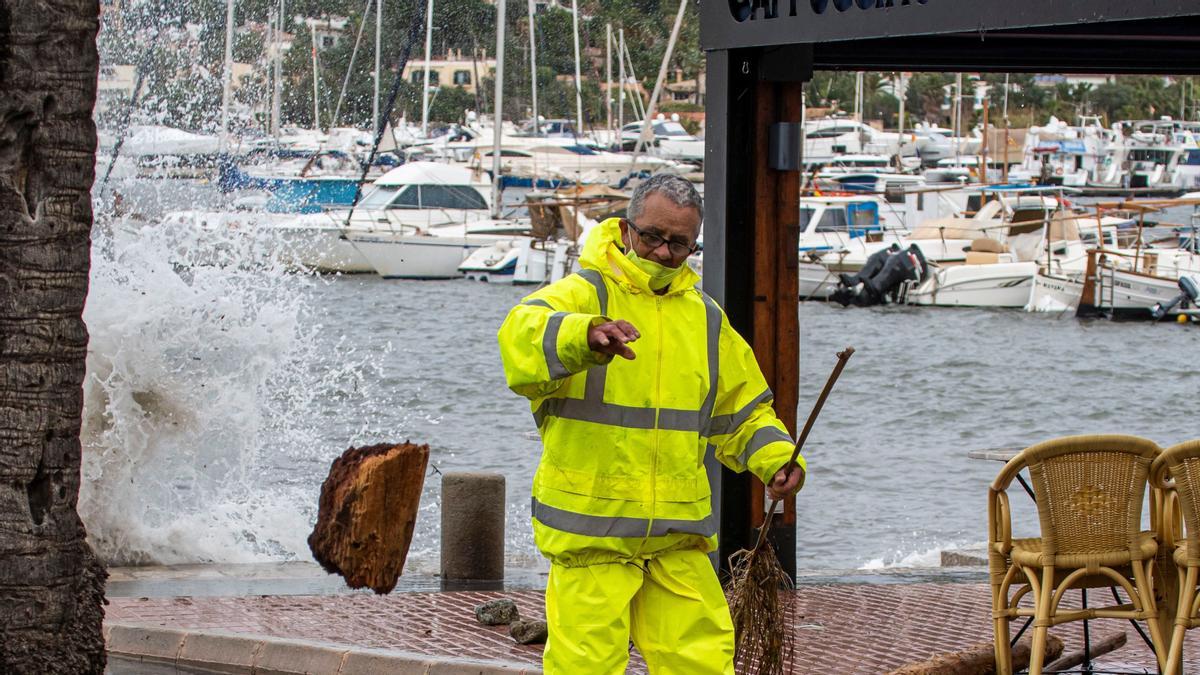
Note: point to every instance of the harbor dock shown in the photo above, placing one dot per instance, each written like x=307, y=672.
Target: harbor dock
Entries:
x=853, y=622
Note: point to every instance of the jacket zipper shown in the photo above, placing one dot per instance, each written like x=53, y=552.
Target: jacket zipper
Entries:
x=657, y=412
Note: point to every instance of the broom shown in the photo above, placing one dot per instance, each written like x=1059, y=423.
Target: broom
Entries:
x=759, y=614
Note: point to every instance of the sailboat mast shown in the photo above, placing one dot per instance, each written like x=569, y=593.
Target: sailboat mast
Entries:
x=858, y=96
x=316, y=94
x=621, y=89
x=277, y=88
x=958, y=78
x=376, y=123
x=578, y=84
x=428, y=57
x=648, y=122
x=537, y=124
x=227, y=77
x=268, y=52
x=608, y=78
x=498, y=111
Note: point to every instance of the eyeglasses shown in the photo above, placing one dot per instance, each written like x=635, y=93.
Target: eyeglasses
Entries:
x=652, y=241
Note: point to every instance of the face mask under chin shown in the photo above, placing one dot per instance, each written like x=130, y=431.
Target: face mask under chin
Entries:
x=661, y=276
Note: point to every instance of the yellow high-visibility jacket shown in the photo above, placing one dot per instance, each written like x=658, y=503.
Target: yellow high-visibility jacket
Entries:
x=622, y=474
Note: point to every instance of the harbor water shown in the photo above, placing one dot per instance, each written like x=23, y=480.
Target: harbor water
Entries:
x=219, y=393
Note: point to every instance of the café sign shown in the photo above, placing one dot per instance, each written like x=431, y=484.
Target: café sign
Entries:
x=728, y=24
x=743, y=10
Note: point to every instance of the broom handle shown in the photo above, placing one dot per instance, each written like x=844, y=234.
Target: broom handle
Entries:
x=843, y=357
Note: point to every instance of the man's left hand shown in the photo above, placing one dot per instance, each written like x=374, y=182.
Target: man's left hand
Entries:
x=787, y=481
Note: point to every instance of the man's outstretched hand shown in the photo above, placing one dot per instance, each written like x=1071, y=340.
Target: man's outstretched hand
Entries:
x=786, y=481
x=612, y=338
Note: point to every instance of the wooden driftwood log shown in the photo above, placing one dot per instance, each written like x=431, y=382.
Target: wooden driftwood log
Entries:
x=979, y=659
x=1098, y=648
x=367, y=512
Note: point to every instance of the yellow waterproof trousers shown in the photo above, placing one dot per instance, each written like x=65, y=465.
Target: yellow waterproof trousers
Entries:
x=671, y=604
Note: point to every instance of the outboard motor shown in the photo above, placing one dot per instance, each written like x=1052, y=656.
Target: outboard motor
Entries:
x=908, y=265
x=1191, y=293
x=874, y=263
x=883, y=284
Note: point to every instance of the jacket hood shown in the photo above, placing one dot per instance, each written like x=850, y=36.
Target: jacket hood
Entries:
x=603, y=253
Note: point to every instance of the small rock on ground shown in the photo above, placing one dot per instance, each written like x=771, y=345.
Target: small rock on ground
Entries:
x=528, y=632
x=497, y=612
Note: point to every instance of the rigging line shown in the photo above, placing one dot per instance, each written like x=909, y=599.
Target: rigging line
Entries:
x=126, y=116
x=414, y=29
x=350, y=68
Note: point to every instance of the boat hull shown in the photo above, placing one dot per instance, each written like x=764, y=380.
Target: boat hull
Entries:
x=1054, y=294
x=1122, y=294
x=994, y=285
x=416, y=256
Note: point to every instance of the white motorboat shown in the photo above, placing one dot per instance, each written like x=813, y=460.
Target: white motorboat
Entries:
x=412, y=203
x=434, y=253
x=669, y=140
x=999, y=270
x=316, y=249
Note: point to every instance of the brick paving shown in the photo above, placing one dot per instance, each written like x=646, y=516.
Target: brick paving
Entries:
x=841, y=628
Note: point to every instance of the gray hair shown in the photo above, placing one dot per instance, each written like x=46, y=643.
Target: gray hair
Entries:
x=676, y=188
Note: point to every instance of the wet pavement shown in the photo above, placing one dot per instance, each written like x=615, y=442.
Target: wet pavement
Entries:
x=873, y=624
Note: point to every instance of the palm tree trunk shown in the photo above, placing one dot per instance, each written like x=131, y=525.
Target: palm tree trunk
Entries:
x=51, y=584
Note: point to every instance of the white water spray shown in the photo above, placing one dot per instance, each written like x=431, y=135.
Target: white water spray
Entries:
x=200, y=399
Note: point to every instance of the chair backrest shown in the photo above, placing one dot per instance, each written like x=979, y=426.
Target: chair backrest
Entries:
x=1089, y=491
x=1183, y=461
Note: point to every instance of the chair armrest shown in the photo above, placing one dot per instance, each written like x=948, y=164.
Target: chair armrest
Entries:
x=999, y=522
x=1160, y=474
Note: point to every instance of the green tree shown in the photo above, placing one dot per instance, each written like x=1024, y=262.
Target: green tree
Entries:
x=926, y=96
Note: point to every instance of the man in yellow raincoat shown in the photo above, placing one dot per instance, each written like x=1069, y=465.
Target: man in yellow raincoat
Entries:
x=621, y=497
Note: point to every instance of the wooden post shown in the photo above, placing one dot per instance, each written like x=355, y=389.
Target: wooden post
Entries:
x=752, y=223
x=776, y=339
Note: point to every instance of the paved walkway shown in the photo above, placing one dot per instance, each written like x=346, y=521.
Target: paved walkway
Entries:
x=867, y=628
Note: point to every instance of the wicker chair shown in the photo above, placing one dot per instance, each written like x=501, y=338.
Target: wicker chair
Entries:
x=1177, y=470
x=1089, y=492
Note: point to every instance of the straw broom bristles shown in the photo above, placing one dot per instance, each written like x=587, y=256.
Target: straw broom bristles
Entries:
x=761, y=615
x=764, y=640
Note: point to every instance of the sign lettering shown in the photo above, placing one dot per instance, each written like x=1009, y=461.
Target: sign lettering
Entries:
x=743, y=10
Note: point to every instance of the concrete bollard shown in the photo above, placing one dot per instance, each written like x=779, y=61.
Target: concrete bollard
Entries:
x=473, y=506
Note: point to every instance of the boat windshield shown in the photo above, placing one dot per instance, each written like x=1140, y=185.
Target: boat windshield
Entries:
x=669, y=129
x=380, y=197
x=439, y=197
x=833, y=219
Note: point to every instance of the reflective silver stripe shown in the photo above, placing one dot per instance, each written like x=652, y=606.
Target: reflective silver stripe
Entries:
x=593, y=389
x=760, y=439
x=712, y=470
x=727, y=424
x=679, y=420
x=593, y=386
x=629, y=417
x=537, y=302
x=712, y=315
x=550, y=347
x=597, y=280
x=615, y=526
